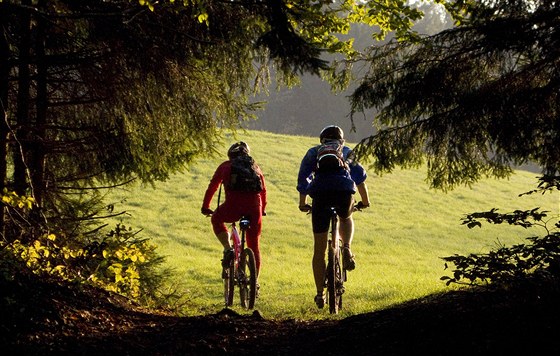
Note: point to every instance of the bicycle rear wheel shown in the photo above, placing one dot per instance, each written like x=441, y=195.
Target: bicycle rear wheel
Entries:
x=228, y=275
x=332, y=281
x=248, y=279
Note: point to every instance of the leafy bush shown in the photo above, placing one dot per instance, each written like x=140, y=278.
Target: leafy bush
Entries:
x=505, y=266
x=13, y=200
x=118, y=260
x=115, y=262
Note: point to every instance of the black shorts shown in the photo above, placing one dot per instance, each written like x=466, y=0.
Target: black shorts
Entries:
x=321, y=212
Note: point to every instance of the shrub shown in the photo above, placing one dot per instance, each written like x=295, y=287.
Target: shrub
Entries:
x=115, y=262
x=118, y=260
x=506, y=266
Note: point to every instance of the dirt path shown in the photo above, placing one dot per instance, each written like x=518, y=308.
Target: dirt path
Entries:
x=48, y=319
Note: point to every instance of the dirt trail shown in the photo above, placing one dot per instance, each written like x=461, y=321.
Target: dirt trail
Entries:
x=49, y=319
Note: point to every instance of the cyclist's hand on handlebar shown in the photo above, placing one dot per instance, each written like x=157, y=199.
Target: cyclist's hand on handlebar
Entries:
x=305, y=208
x=206, y=211
x=360, y=206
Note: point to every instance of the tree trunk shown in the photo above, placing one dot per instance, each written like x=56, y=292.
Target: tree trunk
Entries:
x=4, y=85
x=37, y=149
x=22, y=111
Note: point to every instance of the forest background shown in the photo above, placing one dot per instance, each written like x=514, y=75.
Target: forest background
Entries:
x=98, y=94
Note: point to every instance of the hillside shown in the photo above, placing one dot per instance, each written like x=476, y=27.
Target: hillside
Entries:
x=395, y=303
x=399, y=242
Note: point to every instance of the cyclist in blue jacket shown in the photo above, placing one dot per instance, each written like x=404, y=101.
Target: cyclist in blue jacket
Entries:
x=333, y=188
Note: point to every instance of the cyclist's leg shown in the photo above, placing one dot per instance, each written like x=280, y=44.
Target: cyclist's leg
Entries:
x=347, y=232
x=250, y=205
x=346, y=229
x=253, y=237
x=219, y=219
x=345, y=206
x=318, y=263
x=320, y=217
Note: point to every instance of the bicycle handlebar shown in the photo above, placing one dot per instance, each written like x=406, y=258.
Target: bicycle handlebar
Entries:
x=307, y=208
x=360, y=206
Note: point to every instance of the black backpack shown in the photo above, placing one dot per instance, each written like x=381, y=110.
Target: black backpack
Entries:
x=244, y=175
x=330, y=157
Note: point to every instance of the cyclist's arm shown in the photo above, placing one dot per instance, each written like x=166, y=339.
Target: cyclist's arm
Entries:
x=303, y=206
x=363, y=191
x=357, y=171
x=263, y=193
x=305, y=176
x=214, y=184
x=306, y=168
x=302, y=199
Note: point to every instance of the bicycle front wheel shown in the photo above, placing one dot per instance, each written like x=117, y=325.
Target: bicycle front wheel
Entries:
x=248, y=279
x=228, y=274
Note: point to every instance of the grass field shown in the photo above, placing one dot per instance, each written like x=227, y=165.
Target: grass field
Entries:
x=398, y=242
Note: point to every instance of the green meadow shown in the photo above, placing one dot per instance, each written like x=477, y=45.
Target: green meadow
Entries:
x=398, y=242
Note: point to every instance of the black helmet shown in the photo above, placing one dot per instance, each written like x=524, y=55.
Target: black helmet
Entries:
x=331, y=132
x=238, y=149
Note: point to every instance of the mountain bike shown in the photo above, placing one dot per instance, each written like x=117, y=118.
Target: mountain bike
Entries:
x=241, y=270
x=335, y=274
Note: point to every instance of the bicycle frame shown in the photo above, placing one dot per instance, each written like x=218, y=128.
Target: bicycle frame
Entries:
x=242, y=269
x=238, y=243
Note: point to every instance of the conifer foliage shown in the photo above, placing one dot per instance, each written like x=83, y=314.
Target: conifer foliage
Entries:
x=472, y=100
x=100, y=92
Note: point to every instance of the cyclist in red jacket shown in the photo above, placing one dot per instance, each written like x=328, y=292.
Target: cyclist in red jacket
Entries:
x=249, y=199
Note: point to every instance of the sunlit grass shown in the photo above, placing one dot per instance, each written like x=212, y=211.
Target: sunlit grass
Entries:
x=399, y=242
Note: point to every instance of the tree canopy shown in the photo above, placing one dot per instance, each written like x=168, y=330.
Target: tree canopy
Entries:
x=96, y=93
x=470, y=101
x=101, y=92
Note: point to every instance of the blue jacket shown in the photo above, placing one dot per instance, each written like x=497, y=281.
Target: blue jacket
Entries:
x=311, y=182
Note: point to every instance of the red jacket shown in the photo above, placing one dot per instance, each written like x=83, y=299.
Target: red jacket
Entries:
x=222, y=175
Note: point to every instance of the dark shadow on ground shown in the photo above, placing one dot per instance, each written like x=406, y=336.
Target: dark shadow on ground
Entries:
x=45, y=318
